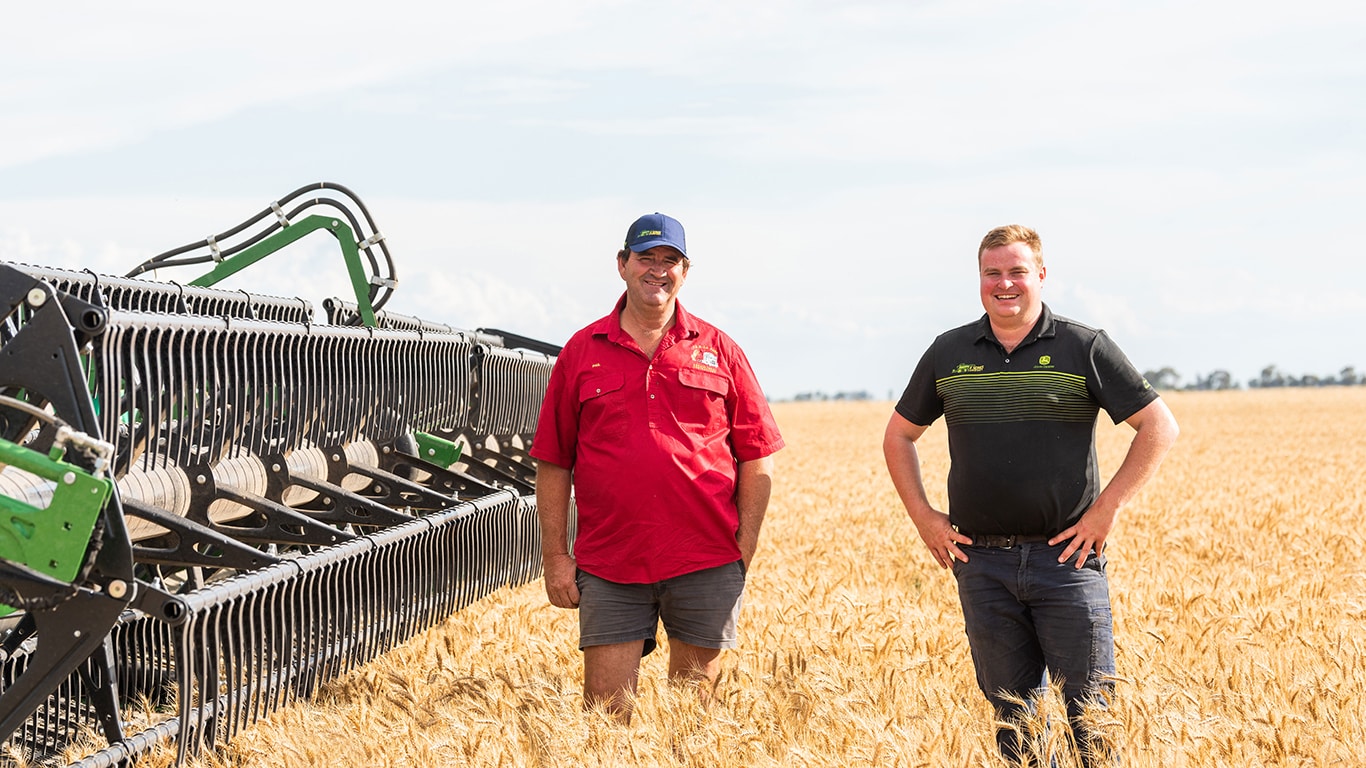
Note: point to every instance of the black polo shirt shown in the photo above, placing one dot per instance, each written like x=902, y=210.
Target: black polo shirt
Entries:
x=1021, y=425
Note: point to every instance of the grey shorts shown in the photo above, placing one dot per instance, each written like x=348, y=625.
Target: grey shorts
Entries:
x=699, y=608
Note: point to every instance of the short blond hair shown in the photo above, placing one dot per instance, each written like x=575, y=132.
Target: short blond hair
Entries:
x=1012, y=233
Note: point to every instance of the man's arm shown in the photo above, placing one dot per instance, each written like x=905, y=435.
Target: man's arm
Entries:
x=1155, y=432
x=553, y=484
x=903, y=464
x=753, y=486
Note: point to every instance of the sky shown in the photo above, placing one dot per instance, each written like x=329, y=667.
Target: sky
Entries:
x=1197, y=170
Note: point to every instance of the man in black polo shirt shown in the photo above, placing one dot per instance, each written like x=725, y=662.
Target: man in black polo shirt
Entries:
x=1020, y=390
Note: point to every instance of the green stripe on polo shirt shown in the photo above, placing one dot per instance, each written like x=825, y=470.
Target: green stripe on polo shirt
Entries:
x=981, y=398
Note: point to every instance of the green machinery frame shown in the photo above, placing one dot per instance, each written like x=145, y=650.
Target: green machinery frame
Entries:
x=50, y=540
x=291, y=234
x=435, y=449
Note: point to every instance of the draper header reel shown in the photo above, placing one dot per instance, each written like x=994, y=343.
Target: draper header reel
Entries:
x=212, y=501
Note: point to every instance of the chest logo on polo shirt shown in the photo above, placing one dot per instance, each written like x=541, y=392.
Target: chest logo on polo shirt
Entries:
x=705, y=357
x=1045, y=362
x=968, y=368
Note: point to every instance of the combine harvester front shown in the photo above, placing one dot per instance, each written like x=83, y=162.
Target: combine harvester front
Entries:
x=211, y=503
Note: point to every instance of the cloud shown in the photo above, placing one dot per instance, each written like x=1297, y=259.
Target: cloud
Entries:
x=107, y=76
x=930, y=82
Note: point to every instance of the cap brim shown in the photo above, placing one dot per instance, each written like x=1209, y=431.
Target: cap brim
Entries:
x=648, y=244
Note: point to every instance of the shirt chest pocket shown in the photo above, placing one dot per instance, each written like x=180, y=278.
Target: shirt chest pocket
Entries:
x=701, y=399
x=602, y=406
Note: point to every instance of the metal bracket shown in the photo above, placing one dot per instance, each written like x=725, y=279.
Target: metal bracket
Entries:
x=335, y=504
x=273, y=523
x=195, y=544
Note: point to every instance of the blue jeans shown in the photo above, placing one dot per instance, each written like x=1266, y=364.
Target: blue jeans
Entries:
x=1026, y=614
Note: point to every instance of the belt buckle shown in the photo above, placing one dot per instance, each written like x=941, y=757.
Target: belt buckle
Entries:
x=1007, y=542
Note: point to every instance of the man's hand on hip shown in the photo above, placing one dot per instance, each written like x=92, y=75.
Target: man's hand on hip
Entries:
x=940, y=537
x=1088, y=535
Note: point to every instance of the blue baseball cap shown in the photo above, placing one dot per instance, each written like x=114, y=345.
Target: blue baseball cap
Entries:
x=654, y=229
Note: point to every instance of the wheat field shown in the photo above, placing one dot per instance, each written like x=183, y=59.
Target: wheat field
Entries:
x=1238, y=588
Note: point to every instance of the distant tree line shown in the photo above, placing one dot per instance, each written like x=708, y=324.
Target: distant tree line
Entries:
x=806, y=397
x=1271, y=376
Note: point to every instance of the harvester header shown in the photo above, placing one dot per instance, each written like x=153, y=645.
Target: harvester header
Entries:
x=215, y=501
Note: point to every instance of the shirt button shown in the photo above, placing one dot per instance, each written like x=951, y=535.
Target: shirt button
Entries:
x=1007, y=359
x=599, y=390
x=652, y=397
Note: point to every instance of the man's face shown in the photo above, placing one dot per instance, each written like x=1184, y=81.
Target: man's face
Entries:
x=653, y=277
x=1011, y=284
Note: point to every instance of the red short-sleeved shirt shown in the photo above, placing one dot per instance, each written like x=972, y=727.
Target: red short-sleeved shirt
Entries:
x=654, y=445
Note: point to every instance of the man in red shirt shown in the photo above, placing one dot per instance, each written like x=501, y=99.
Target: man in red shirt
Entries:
x=657, y=421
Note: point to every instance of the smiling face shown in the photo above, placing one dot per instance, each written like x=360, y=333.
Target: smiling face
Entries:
x=1011, y=286
x=653, y=277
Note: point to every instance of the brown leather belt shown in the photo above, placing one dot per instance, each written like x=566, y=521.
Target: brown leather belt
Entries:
x=1004, y=542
